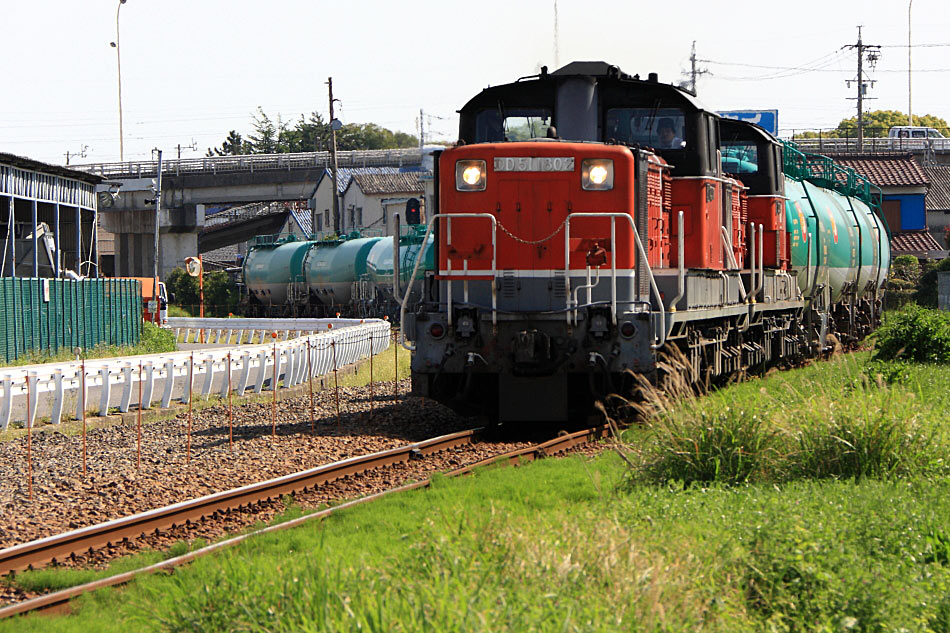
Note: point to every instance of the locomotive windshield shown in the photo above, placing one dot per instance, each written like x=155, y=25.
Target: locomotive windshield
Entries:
x=511, y=124
x=740, y=157
x=661, y=128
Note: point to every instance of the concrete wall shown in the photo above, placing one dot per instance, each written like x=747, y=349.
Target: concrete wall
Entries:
x=937, y=223
x=135, y=239
x=378, y=209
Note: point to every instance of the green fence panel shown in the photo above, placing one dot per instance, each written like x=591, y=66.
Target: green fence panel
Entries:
x=47, y=315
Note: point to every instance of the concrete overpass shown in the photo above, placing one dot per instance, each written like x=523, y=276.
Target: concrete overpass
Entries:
x=190, y=185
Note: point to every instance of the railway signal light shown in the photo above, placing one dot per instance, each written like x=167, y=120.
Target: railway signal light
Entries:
x=413, y=211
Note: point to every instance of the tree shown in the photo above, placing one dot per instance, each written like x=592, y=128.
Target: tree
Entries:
x=269, y=137
x=308, y=135
x=877, y=123
x=233, y=145
x=371, y=136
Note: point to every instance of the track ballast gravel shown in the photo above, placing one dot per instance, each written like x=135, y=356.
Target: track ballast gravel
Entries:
x=113, y=488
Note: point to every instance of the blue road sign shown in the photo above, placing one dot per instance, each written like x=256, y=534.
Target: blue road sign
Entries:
x=767, y=119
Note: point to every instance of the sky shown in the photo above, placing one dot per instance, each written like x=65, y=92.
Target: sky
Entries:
x=192, y=70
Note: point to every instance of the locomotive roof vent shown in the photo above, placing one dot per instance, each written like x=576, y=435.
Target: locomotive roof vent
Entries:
x=653, y=77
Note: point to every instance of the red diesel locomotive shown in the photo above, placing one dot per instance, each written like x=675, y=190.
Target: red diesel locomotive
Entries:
x=588, y=218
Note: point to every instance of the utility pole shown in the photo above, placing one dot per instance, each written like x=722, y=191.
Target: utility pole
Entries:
x=422, y=130
x=118, y=64
x=557, y=52
x=910, y=107
x=81, y=154
x=193, y=147
x=333, y=125
x=873, y=53
x=694, y=71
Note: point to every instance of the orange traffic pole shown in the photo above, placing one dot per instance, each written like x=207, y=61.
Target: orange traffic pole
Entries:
x=336, y=382
x=83, y=407
x=310, y=380
x=29, y=436
x=138, y=445
x=191, y=382
x=273, y=408
x=372, y=395
x=230, y=409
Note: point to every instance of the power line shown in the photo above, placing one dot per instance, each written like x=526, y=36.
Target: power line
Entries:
x=820, y=64
x=914, y=45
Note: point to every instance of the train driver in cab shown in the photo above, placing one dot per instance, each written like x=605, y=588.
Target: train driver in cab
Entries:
x=666, y=133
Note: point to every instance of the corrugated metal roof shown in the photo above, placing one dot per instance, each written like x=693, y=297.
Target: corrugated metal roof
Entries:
x=304, y=219
x=46, y=168
x=938, y=196
x=389, y=183
x=886, y=171
x=347, y=173
x=920, y=243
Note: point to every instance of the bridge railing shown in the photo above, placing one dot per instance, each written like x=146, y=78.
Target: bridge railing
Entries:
x=254, y=162
x=871, y=145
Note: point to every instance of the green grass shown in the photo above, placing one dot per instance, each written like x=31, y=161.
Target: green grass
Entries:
x=154, y=340
x=178, y=311
x=578, y=545
x=555, y=547
x=383, y=365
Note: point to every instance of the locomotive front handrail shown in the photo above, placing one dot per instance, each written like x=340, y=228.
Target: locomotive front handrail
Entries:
x=613, y=267
x=494, y=222
x=420, y=257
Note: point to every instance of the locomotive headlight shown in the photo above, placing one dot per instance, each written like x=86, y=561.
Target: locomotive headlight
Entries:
x=597, y=174
x=470, y=175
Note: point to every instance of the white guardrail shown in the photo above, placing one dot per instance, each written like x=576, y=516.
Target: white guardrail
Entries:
x=57, y=387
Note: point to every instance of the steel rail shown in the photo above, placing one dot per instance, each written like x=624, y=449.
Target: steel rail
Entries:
x=37, y=553
x=59, y=600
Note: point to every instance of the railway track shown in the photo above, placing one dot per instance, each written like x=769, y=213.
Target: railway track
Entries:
x=40, y=552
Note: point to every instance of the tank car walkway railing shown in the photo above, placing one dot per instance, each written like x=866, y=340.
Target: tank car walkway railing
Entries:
x=320, y=346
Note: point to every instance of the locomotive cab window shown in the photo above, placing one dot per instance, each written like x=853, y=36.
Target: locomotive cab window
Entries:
x=513, y=124
x=660, y=128
x=740, y=157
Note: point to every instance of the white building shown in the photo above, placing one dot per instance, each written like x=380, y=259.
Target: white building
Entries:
x=370, y=200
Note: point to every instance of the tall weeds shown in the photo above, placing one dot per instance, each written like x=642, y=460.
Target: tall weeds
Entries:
x=837, y=424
